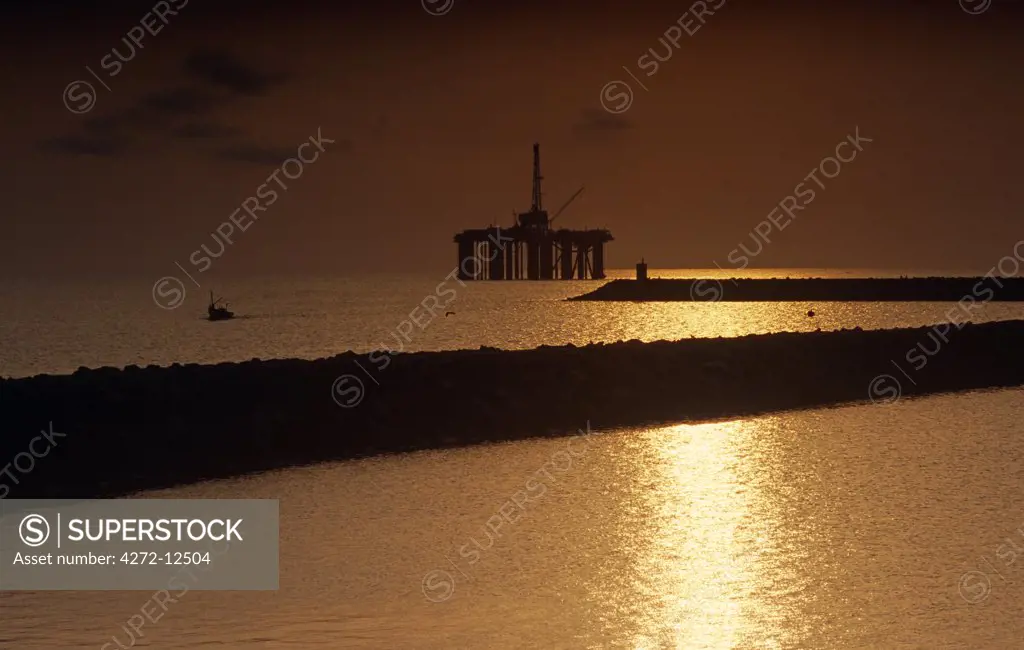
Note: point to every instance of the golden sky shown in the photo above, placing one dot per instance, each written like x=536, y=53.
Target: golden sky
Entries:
x=433, y=118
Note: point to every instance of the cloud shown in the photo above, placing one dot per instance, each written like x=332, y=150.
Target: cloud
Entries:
x=256, y=154
x=595, y=120
x=183, y=112
x=177, y=102
x=104, y=146
x=205, y=131
x=155, y=111
x=224, y=70
x=103, y=125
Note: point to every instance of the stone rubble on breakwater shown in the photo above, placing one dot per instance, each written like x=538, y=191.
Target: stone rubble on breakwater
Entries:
x=153, y=427
x=935, y=289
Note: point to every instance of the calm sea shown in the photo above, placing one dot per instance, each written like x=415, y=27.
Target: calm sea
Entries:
x=866, y=526
x=55, y=328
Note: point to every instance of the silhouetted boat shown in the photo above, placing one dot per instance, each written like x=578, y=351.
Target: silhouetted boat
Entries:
x=218, y=313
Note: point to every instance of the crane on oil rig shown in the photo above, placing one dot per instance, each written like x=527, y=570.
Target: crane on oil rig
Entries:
x=566, y=205
x=531, y=249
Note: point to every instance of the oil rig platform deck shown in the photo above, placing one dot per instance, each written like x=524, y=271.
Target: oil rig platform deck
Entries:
x=531, y=249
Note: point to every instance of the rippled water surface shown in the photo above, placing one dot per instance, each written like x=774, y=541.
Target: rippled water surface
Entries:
x=867, y=526
x=856, y=527
x=57, y=328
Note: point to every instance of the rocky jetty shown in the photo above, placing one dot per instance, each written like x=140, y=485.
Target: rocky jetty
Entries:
x=136, y=428
x=980, y=289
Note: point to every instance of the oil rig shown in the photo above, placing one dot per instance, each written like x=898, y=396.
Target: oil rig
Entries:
x=531, y=249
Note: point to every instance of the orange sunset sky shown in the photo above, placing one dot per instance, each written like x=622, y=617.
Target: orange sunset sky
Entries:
x=434, y=117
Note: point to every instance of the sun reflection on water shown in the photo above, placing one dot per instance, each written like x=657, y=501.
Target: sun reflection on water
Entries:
x=694, y=561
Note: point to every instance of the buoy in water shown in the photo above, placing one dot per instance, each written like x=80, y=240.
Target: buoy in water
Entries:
x=810, y=313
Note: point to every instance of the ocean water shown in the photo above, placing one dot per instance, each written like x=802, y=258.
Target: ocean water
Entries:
x=56, y=328
x=864, y=526
x=855, y=527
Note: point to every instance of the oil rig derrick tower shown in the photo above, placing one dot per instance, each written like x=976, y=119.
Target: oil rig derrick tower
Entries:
x=531, y=249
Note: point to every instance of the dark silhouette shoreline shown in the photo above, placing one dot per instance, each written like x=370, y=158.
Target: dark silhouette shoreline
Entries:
x=135, y=429
x=934, y=289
